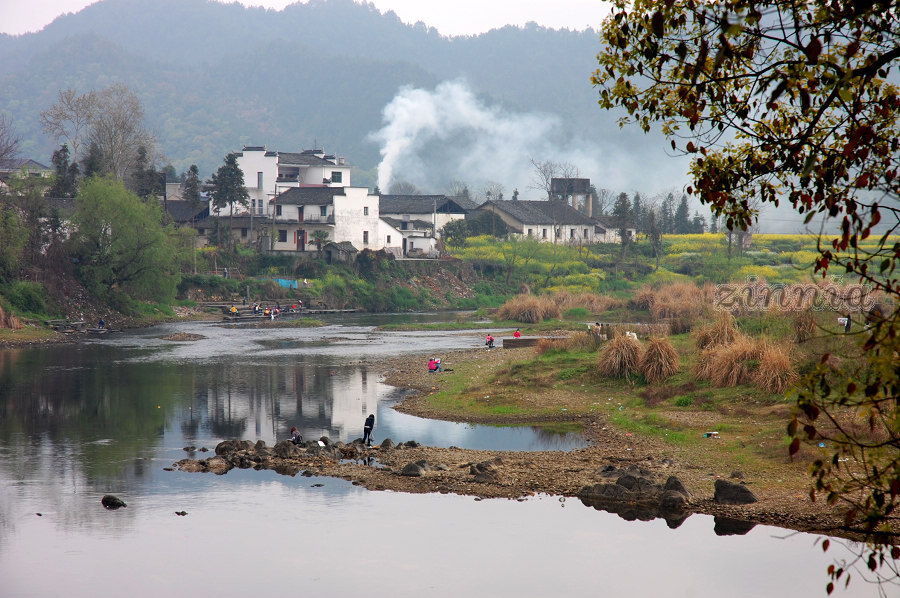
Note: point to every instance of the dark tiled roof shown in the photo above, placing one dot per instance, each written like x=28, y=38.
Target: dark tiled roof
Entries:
x=303, y=196
x=302, y=159
x=411, y=224
x=420, y=204
x=346, y=246
x=183, y=211
x=540, y=212
x=19, y=163
x=570, y=186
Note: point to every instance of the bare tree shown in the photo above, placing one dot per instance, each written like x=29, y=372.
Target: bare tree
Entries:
x=493, y=191
x=457, y=189
x=603, y=200
x=70, y=117
x=401, y=187
x=543, y=175
x=9, y=143
x=545, y=172
x=117, y=129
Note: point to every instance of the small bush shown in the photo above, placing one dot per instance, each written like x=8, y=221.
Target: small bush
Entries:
x=684, y=401
x=577, y=313
x=620, y=357
x=659, y=360
x=776, y=373
x=528, y=309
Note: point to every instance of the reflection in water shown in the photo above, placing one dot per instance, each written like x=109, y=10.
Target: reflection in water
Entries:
x=108, y=416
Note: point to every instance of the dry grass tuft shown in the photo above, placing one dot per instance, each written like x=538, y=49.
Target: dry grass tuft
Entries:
x=721, y=332
x=735, y=363
x=528, y=309
x=594, y=303
x=776, y=373
x=620, y=357
x=804, y=324
x=659, y=360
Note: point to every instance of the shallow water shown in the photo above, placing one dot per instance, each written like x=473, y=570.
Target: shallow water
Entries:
x=106, y=416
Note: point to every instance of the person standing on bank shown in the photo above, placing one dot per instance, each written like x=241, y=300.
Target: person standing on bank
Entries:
x=367, y=430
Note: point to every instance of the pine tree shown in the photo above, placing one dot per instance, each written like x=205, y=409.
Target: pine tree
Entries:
x=226, y=189
x=682, y=217
x=64, y=184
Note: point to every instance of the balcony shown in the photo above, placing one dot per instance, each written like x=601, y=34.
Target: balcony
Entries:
x=287, y=178
x=317, y=219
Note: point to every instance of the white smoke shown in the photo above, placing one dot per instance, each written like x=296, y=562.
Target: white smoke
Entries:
x=431, y=138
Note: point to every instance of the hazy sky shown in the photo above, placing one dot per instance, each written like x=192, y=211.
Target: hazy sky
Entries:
x=450, y=17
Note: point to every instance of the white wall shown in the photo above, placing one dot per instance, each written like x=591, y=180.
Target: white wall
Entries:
x=350, y=219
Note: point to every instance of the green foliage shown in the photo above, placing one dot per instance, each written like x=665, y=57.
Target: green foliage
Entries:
x=119, y=244
x=577, y=313
x=26, y=297
x=14, y=236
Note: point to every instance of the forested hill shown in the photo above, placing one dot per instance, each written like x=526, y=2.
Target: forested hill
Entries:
x=213, y=76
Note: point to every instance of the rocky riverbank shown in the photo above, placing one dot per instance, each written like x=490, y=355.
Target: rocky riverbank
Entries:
x=619, y=472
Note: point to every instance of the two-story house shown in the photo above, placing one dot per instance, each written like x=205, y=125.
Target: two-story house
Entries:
x=267, y=173
x=413, y=223
x=346, y=214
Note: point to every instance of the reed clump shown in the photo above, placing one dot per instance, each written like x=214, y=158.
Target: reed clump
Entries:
x=776, y=372
x=620, y=357
x=722, y=331
x=529, y=309
x=659, y=361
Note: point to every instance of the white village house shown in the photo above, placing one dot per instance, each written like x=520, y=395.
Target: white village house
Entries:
x=547, y=221
x=267, y=173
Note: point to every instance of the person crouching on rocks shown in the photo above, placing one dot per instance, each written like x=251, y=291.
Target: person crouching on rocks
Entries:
x=295, y=436
x=367, y=430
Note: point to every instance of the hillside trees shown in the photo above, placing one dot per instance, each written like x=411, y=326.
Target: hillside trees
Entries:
x=790, y=102
x=120, y=245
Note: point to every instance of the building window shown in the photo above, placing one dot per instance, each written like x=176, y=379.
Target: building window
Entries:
x=544, y=233
x=388, y=240
x=365, y=237
x=365, y=210
x=323, y=211
x=282, y=235
x=243, y=233
x=201, y=231
x=404, y=226
x=585, y=233
x=278, y=210
x=337, y=176
x=530, y=231
x=259, y=180
x=571, y=233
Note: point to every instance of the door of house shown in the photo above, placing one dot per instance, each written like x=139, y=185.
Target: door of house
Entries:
x=301, y=240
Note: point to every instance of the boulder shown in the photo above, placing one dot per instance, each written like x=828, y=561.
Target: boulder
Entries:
x=415, y=470
x=728, y=493
x=111, y=502
x=217, y=465
x=387, y=444
x=287, y=449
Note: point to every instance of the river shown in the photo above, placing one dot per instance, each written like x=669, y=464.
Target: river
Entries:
x=111, y=414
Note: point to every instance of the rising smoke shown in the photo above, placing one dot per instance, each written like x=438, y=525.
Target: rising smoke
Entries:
x=431, y=138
